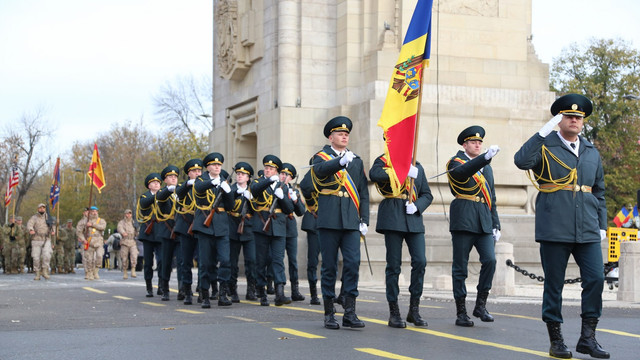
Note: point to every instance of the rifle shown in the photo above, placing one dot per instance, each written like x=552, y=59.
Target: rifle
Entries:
x=272, y=212
x=214, y=206
x=243, y=215
x=149, y=228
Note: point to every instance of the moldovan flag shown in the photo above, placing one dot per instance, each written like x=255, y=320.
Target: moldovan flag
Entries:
x=622, y=217
x=400, y=112
x=95, y=172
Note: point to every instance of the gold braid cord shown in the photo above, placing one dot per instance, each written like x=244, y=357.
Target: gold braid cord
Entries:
x=258, y=205
x=184, y=207
x=162, y=216
x=209, y=195
x=337, y=180
x=456, y=186
x=570, y=178
x=142, y=218
x=392, y=193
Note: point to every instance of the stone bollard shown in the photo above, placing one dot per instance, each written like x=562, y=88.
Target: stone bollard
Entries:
x=629, y=263
x=504, y=279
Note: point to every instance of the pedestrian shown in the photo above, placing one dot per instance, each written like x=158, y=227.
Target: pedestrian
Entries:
x=91, y=237
x=400, y=218
x=343, y=217
x=474, y=220
x=40, y=234
x=113, y=248
x=571, y=217
x=287, y=174
x=145, y=214
x=128, y=249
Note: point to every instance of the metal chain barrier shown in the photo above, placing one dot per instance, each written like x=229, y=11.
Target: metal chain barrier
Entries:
x=534, y=276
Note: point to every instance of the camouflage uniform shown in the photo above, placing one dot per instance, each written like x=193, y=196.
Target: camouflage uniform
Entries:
x=57, y=257
x=69, y=245
x=128, y=247
x=40, y=244
x=92, y=256
x=13, y=248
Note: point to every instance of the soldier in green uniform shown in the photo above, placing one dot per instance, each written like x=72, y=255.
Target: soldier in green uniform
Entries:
x=147, y=219
x=571, y=217
x=57, y=257
x=166, y=211
x=309, y=225
x=13, y=242
x=271, y=204
x=69, y=245
x=343, y=216
x=400, y=218
x=22, y=245
x=473, y=220
x=287, y=174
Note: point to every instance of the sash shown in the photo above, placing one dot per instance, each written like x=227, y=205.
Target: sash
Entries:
x=482, y=182
x=404, y=186
x=345, y=180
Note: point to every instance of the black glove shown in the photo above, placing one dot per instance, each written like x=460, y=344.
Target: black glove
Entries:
x=11, y=225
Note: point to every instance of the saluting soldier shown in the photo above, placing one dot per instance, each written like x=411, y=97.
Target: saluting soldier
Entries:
x=309, y=225
x=89, y=231
x=128, y=247
x=287, y=174
x=185, y=210
x=400, y=218
x=211, y=227
x=271, y=205
x=241, y=232
x=343, y=216
x=166, y=211
x=474, y=220
x=571, y=217
x=147, y=218
x=40, y=242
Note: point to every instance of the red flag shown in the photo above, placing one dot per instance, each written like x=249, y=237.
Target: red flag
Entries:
x=14, y=180
x=95, y=172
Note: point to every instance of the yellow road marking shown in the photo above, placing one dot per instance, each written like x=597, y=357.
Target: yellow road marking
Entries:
x=621, y=333
x=368, y=301
x=432, y=307
x=384, y=354
x=240, y=318
x=190, y=311
x=299, y=333
x=94, y=290
x=517, y=316
x=122, y=297
x=150, y=303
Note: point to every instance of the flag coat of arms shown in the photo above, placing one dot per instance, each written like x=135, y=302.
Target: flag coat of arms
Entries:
x=400, y=113
x=95, y=172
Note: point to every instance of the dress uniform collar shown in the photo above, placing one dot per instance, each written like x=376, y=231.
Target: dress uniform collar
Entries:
x=568, y=144
x=338, y=153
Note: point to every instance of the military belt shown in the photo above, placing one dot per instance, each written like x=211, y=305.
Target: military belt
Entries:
x=334, y=192
x=576, y=188
x=277, y=211
x=401, y=196
x=237, y=214
x=474, y=198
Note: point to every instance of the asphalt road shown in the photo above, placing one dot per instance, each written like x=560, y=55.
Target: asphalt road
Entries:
x=68, y=317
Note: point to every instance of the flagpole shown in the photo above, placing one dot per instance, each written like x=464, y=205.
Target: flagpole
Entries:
x=415, y=134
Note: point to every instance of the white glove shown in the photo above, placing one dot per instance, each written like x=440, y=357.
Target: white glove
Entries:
x=493, y=150
x=279, y=193
x=496, y=235
x=225, y=186
x=274, y=178
x=215, y=181
x=240, y=190
x=247, y=194
x=548, y=127
x=410, y=208
x=171, y=188
x=292, y=195
x=347, y=158
x=603, y=235
x=363, y=229
x=413, y=172
x=191, y=181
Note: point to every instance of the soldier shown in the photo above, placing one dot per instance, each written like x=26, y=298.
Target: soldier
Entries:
x=40, y=242
x=13, y=245
x=474, y=220
x=6, y=248
x=128, y=248
x=241, y=232
x=400, y=218
x=22, y=245
x=89, y=231
x=28, y=259
x=269, y=227
x=165, y=209
x=57, y=243
x=185, y=209
x=309, y=225
x=69, y=245
x=571, y=217
x=145, y=214
x=287, y=174
x=211, y=227
x=85, y=215
x=343, y=216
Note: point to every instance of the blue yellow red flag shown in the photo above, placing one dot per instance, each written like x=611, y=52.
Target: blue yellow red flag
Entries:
x=622, y=216
x=400, y=112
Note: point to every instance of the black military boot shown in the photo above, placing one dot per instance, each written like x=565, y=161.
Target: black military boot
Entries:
x=395, y=321
x=223, y=300
x=165, y=290
x=149, y=288
x=159, y=292
x=480, y=311
x=262, y=295
x=588, y=343
x=270, y=289
x=461, y=313
x=280, y=298
x=350, y=319
x=414, y=313
x=181, y=294
x=233, y=292
x=188, y=300
x=199, y=291
x=558, y=348
x=295, y=292
x=214, y=291
x=314, y=293
x=251, y=290
x=206, y=304
x=330, y=321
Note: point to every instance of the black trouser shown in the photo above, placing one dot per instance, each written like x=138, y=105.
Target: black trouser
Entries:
x=151, y=247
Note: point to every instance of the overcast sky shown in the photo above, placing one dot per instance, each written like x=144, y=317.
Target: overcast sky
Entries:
x=92, y=63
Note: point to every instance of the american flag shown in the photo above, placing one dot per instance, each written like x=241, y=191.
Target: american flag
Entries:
x=14, y=180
